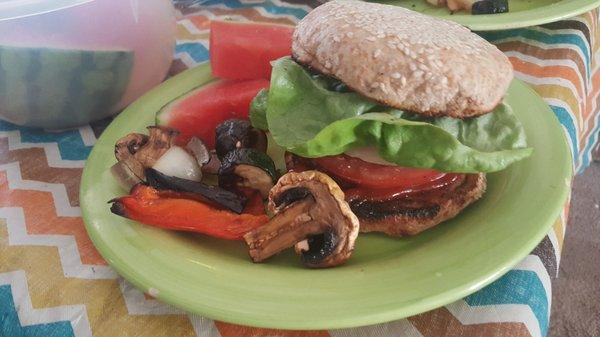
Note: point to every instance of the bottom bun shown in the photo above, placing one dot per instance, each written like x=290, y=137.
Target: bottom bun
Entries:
x=414, y=216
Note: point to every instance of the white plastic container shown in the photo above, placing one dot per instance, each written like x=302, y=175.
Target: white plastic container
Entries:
x=65, y=63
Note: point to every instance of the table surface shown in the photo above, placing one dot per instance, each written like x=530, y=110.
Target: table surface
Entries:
x=54, y=283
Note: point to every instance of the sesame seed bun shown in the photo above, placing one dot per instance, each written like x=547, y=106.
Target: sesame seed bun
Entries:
x=403, y=59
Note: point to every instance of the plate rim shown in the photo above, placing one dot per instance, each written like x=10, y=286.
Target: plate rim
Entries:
x=511, y=20
x=389, y=314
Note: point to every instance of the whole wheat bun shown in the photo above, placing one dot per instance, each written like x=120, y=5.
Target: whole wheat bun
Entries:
x=403, y=59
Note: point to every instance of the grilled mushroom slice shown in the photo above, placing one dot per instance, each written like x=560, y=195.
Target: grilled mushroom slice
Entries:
x=199, y=150
x=310, y=214
x=160, y=140
x=129, y=145
x=137, y=151
x=127, y=172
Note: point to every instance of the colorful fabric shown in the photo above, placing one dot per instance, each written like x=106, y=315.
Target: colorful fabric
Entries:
x=54, y=283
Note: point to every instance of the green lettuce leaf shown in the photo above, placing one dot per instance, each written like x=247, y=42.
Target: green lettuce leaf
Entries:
x=258, y=110
x=309, y=117
x=498, y=130
x=406, y=143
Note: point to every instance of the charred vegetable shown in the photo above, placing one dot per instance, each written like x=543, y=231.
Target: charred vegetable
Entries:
x=248, y=168
x=126, y=172
x=489, y=7
x=199, y=150
x=213, y=165
x=235, y=134
x=160, y=140
x=129, y=145
x=208, y=160
x=310, y=214
x=136, y=151
x=170, y=210
x=215, y=194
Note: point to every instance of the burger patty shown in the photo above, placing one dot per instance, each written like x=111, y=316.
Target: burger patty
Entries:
x=415, y=213
x=407, y=213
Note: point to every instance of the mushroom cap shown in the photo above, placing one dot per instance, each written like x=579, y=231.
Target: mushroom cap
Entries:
x=347, y=230
x=128, y=145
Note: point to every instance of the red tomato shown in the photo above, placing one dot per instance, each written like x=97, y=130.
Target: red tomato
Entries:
x=369, y=193
x=199, y=112
x=372, y=175
x=240, y=50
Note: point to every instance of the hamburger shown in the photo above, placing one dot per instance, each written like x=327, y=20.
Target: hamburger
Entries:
x=404, y=111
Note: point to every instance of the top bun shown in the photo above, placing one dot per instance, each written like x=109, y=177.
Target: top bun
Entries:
x=404, y=59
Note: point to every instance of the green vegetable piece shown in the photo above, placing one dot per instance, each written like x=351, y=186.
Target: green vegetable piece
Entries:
x=299, y=107
x=258, y=110
x=406, y=143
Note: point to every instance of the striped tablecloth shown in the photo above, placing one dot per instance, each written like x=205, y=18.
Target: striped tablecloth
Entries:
x=53, y=283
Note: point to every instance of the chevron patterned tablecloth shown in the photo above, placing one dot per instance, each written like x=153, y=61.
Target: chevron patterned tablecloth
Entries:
x=53, y=283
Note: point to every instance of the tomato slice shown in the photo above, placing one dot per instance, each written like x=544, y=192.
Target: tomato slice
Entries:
x=362, y=173
x=387, y=193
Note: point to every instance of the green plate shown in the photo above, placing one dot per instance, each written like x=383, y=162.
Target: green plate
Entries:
x=522, y=13
x=385, y=279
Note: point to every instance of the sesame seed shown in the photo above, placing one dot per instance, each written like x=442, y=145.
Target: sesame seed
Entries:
x=377, y=53
x=396, y=75
x=383, y=87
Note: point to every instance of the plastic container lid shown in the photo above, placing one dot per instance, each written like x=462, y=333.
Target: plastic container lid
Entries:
x=13, y=9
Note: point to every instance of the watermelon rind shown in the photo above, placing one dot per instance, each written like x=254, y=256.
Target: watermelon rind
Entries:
x=60, y=88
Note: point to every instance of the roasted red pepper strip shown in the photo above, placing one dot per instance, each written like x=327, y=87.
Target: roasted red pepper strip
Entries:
x=255, y=203
x=151, y=207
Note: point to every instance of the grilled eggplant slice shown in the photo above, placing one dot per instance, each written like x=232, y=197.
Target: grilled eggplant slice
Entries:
x=219, y=196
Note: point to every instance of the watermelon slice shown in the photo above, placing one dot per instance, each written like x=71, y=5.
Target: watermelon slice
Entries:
x=198, y=112
x=240, y=50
